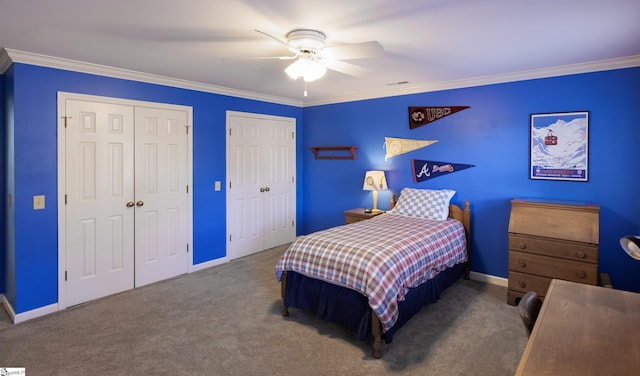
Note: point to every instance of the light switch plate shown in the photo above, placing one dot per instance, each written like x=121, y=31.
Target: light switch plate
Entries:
x=216, y=185
x=38, y=202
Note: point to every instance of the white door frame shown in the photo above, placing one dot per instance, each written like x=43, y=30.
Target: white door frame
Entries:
x=62, y=220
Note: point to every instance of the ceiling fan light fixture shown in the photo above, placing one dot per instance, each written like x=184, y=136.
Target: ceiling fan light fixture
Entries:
x=307, y=68
x=306, y=39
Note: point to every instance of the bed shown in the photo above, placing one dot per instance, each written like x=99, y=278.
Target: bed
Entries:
x=373, y=276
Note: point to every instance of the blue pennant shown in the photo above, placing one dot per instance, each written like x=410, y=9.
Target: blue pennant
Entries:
x=425, y=170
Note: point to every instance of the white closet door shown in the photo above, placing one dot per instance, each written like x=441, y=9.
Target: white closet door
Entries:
x=162, y=200
x=278, y=172
x=244, y=196
x=126, y=217
x=260, y=182
x=99, y=185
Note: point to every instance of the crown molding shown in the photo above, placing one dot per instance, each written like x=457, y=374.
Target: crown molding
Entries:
x=564, y=70
x=7, y=56
x=102, y=70
x=5, y=61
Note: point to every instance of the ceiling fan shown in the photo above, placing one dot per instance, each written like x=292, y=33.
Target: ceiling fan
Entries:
x=313, y=58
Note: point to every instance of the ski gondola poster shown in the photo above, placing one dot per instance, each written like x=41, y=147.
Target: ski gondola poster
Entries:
x=559, y=148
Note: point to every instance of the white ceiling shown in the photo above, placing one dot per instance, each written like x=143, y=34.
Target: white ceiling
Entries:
x=430, y=44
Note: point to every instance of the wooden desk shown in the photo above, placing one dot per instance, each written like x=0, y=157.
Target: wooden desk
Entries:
x=584, y=330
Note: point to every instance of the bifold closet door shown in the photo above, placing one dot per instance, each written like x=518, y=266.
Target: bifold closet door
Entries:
x=261, y=192
x=127, y=200
x=99, y=192
x=161, y=221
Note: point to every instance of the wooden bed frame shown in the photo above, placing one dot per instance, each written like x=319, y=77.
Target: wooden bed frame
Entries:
x=461, y=214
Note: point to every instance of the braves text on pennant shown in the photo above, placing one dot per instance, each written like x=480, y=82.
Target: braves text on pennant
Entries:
x=419, y=116
x=424, y=170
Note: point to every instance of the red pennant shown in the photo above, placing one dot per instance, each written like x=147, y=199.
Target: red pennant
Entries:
x=419, y=116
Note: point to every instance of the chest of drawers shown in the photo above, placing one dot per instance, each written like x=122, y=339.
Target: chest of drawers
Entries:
x=549, y=239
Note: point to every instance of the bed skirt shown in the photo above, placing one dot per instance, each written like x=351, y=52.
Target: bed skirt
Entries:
x=350, y=308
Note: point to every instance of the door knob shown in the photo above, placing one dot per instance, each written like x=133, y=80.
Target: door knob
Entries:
x=139, y=203
x=267, y=189
x=261, y=189
x=130, y=204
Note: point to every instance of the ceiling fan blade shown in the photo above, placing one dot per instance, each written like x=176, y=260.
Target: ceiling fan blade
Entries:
x=346, y=68
x=283, y=42
x=354, y=50
x=263, y=58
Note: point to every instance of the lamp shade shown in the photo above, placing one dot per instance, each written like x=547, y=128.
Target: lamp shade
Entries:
x=374, y=181
x=631, y=245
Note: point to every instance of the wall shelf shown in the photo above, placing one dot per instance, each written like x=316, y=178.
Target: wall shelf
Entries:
x=335, y=152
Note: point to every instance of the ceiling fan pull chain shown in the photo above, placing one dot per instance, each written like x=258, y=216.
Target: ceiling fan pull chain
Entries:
x=305, y=88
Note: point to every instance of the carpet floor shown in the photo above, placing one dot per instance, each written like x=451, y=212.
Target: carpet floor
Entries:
x=226, y=320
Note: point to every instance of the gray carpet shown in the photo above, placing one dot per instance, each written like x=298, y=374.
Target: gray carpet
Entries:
x=226, y=321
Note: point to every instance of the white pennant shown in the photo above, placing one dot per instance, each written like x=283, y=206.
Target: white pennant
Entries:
x=397, y=146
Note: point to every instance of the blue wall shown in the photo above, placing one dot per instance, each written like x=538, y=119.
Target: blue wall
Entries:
x=493, y=135
x=35, y=92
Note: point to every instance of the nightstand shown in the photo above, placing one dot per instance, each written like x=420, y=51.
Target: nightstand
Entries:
x=357, y=215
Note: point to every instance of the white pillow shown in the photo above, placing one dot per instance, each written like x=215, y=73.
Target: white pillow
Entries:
x=424, y=203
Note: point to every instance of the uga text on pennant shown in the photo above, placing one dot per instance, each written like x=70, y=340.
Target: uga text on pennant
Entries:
x=419, y=116
x=424, y=170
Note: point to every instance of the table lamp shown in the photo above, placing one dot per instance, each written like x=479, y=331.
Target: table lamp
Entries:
x=631, y=245
x=375, y=181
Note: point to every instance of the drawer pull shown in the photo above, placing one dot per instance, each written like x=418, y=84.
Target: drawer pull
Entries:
x=522, y=245
x=522, y=284
x=581, y=255
x=581, y=274
x=522, y=263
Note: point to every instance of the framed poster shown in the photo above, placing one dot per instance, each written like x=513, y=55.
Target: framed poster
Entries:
x=559, y=146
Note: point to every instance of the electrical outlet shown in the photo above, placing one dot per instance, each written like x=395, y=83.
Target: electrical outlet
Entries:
x=38, y=202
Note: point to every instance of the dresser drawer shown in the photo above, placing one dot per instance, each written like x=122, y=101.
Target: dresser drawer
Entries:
x=348, y=219
x=553, y=247
x=528, y=282
x=553, y=267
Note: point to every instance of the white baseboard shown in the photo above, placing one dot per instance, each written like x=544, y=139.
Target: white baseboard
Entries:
x=487, y=278
x=34, y=313
x=8, y=308
x=209, y=264
x=17, y=318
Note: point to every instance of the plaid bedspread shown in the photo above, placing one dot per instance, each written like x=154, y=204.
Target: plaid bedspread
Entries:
x=381, y=257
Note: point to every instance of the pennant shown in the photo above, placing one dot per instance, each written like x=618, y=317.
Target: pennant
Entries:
x=397, y=146
x=419, y=116
x=425, y=170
